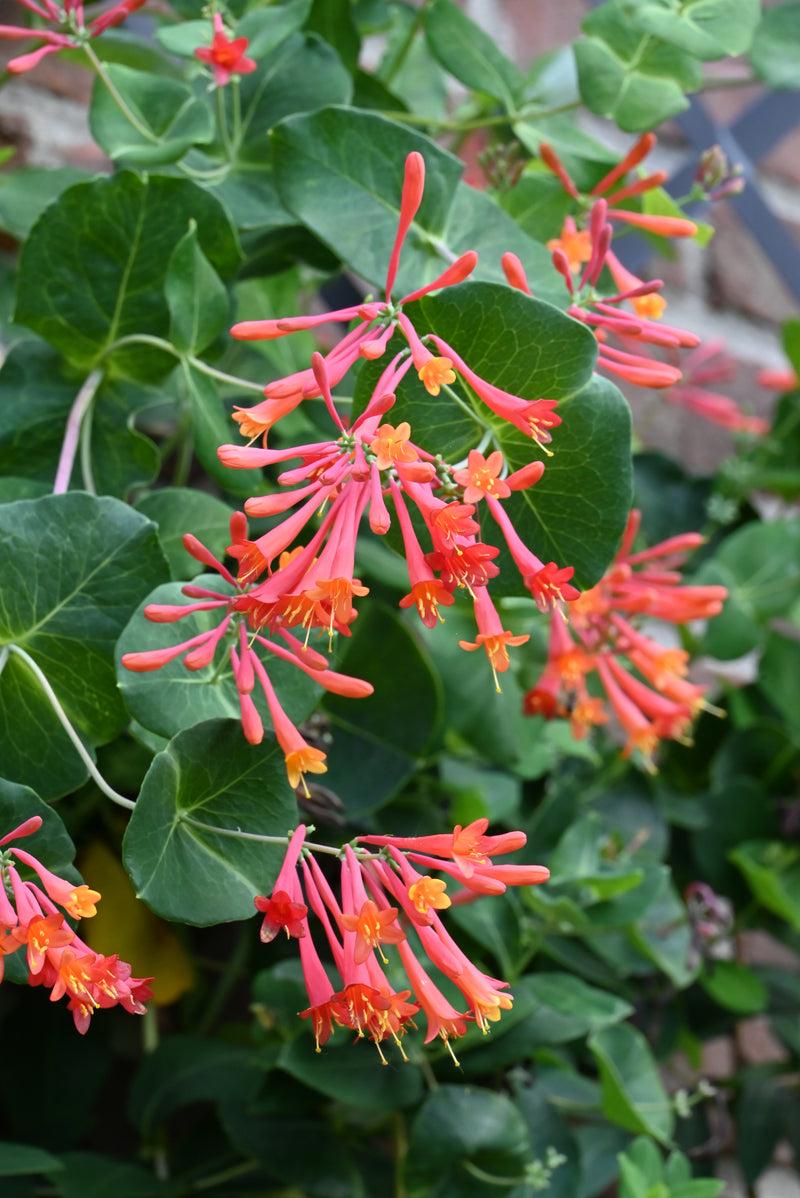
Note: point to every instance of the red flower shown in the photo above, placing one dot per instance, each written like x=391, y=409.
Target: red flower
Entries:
x=226, y=57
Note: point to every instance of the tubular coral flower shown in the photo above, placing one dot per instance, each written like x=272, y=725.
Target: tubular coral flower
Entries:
x=57, y=958
x=602, y=639
x=226, y=57
x=481, y=477
x=72, y=31
x=366, y=917
x=467, y=846
x=491, y=636
x=282, y=910
x=575, y=243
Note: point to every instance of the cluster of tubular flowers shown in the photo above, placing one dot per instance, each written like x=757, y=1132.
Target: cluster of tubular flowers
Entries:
x=285, y=586
x=32, y=914
x=643, y=682
x=246, y=611
x=385, y=900
x=709, y=364
x=72, y=28
x=632, y=316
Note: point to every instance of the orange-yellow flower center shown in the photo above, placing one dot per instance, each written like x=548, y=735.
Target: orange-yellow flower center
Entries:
x=429, y=892
x=81, y=902
x=390, y=445
x=576, y=245
x=307, y=760
x=372, y=927
x=649, y=307
x=436, y=373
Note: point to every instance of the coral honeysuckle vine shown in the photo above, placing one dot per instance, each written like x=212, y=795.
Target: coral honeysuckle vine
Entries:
x=391, y=717
x=353, y=474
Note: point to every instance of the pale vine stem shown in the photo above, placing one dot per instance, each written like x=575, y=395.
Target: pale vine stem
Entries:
x=197, y=363
x=282, y=840
x=72, y=435
x=63, y=719
x=129, y=115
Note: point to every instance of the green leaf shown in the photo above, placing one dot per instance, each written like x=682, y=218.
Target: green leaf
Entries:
x=599, y=1146
x=547, y=1129
x=761, y=1109
x=772, y=871
x=340, y=171
x=377, y=741
x=37, y=391
x=533, y=350
x=538, y=203
x=19, y=1159
x=183, y=39
x=302, y=74
x=663, y=934
x=212, y=427
x=778, y=676
x=178, y=510
x=473, y=1126
x=26, y=192
x=633, y=1093
x=90, y=1175
x=549, y=1008
x=624, y=75
x=333, y=21
x=50, y=844
x=671, y=502
x=791, y=336
x=173, y=115
x=209, y=776
x=173, y=698
x=187, y=1069
x=760, y=566
x=199, y=307
x=352, y=1073
x=266, y=29
x=93, y=268
x=735, y=987
x=67, y=619
x=493, y=724
x=470, y=55
x=281, y=1142
x=707, y=29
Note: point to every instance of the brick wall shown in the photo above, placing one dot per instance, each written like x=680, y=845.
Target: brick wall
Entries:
x=731, y=292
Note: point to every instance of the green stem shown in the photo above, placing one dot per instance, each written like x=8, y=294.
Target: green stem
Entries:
x=208, y=1183
x=130, y=116
x=482, y=122
x=222, y=377
x=231, y=974
x=203, y=367
x=282, y=840
x=490, y=1178
x=87, y=473
x=236, y=112
x=63, y=719
x=408, y=41
x=222, y=124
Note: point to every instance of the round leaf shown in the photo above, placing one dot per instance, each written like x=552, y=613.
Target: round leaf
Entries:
x=74, y=568
x=209, y=776
x=93, y=268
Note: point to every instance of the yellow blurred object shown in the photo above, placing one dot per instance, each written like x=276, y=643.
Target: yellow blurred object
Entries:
x=124, y=925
